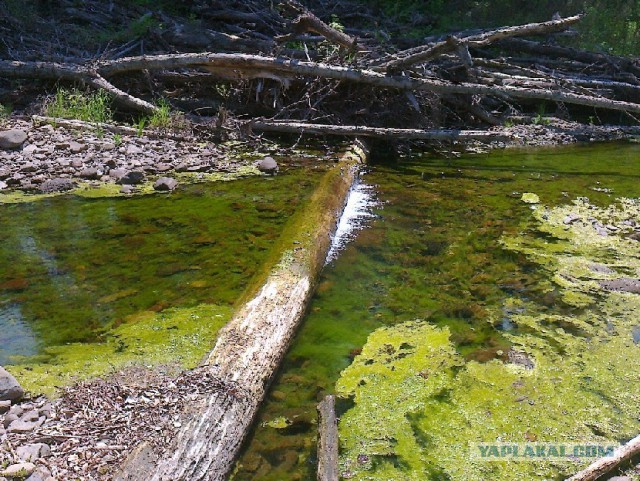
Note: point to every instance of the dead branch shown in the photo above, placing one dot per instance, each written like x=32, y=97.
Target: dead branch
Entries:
x=361, y=131
x=605, y=465
x=327, y=440
x=423, y=54
x=306, y=22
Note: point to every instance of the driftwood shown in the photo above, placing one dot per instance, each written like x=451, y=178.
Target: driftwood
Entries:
x=242, y=65
x=606, y=465
x=424, y=54
x=327, y=440
x=306, y=22
x=249, y=349
x=359, y=131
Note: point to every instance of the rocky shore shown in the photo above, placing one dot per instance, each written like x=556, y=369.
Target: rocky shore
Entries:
x=47, y=159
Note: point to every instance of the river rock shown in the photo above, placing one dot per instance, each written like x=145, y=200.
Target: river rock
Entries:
x=20, y=426
x=132, y=177
x=3, y=185
x=5, y=406
x=165, y=184
x=10, y=390
x=33, y=452
x=58, y=184
x=77, y=147
x=133, y=150
x=20, y=470
x=90, y=173
x=41, y=474
x=268, y=165
x=12, y=139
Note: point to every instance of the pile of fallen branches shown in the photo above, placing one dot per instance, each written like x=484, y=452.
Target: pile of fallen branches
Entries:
x=292, y=71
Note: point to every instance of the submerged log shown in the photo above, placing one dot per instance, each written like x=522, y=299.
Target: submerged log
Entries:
x=249, y=349
x=327, y=440
x=606, y=465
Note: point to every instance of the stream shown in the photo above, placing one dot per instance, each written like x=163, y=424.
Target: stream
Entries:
x=463, y=301
x=433, y=250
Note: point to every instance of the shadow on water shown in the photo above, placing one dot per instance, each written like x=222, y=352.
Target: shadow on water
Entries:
x=430, y=253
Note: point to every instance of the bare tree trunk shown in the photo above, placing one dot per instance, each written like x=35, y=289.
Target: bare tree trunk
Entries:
x=361, y=131
x=249, y=349
x=424, y=54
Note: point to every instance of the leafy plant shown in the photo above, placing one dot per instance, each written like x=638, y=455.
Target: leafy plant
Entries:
x=117, y=140
x=80, y=105
x=161, y=118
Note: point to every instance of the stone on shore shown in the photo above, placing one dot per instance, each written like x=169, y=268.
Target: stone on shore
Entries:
x=132, y=177
x=12, y=139
x=32, y=452
x=10, y=390
x=268, y=165
x=20, y=470
x=57, y=184
x=165, y=184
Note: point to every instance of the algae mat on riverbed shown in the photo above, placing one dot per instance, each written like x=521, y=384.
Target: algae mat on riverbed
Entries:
x=87, y=285
x=461, y=315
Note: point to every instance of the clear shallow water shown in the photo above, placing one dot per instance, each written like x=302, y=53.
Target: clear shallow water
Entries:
x=432, y=252
x=72, y=269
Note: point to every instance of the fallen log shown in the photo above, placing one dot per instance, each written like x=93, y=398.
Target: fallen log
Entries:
x=605, y=465
x=389, y=133
x=423, y=54
x=73, y=73
x=270, y=67
x=249, y=349
x=327, y=440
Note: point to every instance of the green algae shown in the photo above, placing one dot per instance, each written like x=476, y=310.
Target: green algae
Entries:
x=77, y=275
x=437, y=251
x=583, y=386
x=177, y=336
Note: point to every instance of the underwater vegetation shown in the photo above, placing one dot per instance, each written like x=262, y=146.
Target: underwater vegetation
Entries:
x=438, y=263
x=571, y=378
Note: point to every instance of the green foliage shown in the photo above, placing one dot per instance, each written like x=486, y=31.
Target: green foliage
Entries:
x=80, y=105
x=162, y=117
x=612, y=26
x=5, y=111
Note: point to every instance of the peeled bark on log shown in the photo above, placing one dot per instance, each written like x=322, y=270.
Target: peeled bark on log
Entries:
x=362, y=131
x=250, y=348
x=424, y=54
x=327, y=440
x=605, y=465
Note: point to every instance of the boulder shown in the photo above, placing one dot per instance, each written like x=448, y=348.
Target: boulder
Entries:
x=12, y=139
x=165, y=184
x=132, y=177
x=10, y=390
x=58, y=184
x=20, y=426
x=268, y=165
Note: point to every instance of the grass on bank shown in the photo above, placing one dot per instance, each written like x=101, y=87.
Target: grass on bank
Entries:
x=96, y=107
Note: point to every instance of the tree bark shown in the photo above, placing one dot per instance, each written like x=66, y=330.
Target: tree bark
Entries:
x=605, y=465
x=249, y=349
